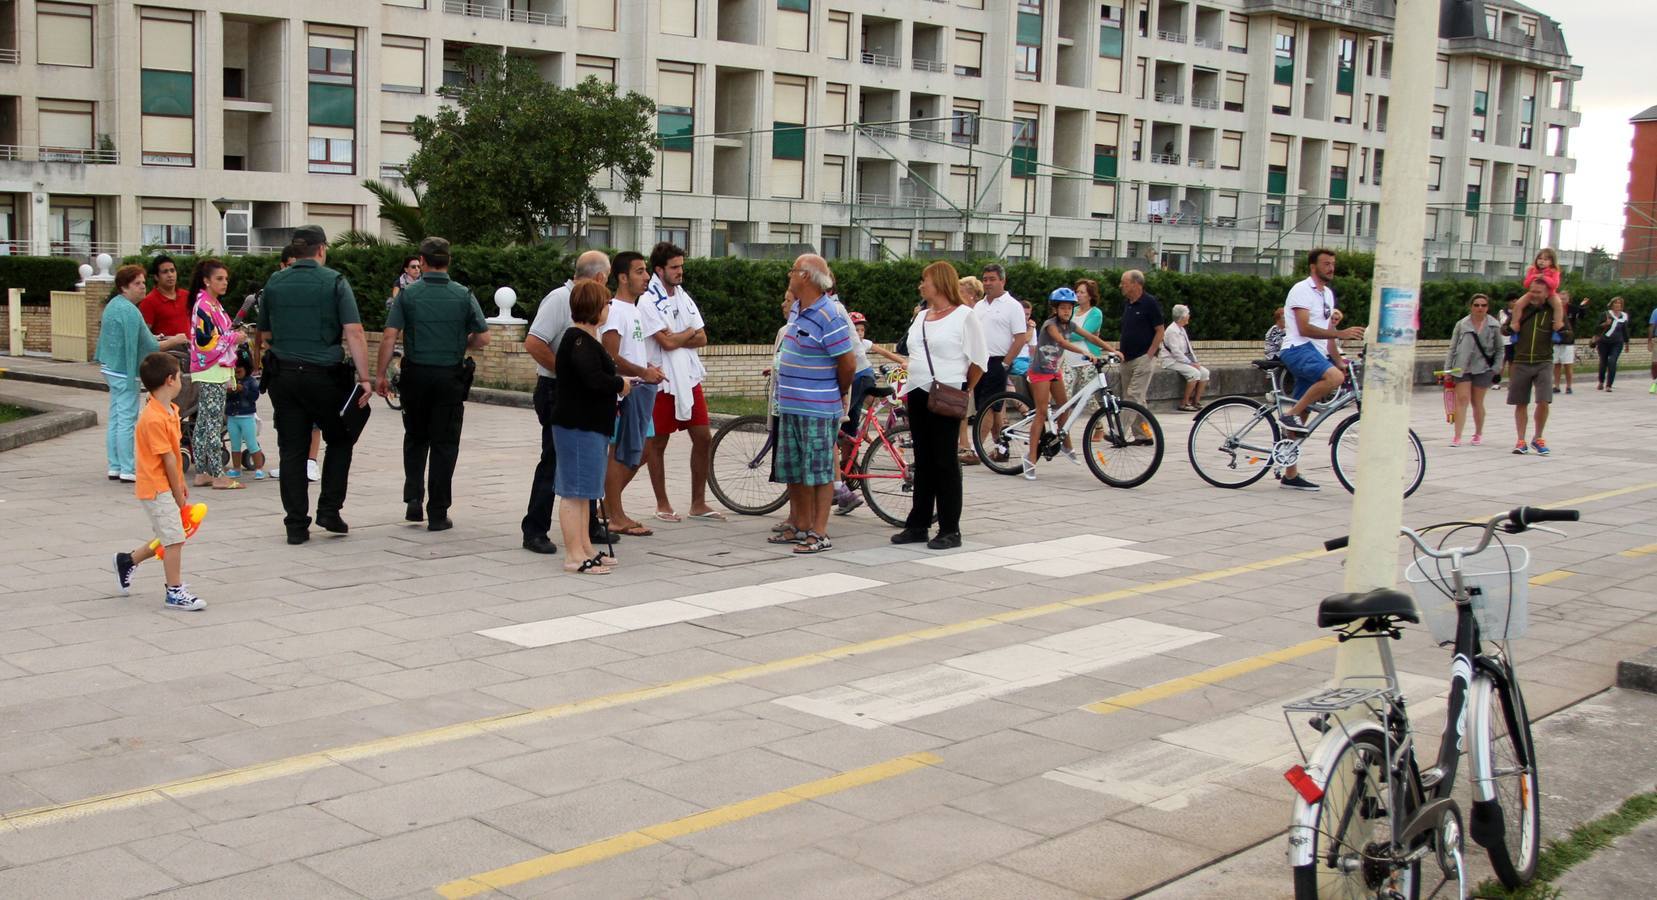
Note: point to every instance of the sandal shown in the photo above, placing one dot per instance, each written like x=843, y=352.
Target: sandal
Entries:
x=637, y=529
x=781, y=527
x=814, y=543
x=229, y=486
x=604, y=560
x=586, y=567
x=967, y=457
x=788, y=535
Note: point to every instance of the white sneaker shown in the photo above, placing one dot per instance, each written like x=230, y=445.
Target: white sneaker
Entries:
x=181, y=598
x=1029, y=469
x=1071, y=455
x=276, y=473
x=313, y=471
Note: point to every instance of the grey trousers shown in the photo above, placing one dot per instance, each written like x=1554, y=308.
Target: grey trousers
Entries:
x=1135, y=384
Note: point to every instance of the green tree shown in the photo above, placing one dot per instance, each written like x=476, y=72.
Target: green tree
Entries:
x=513, y=156
x=1599, y=265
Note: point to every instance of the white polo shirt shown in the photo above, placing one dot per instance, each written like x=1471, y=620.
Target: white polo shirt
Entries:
x=1001, y=320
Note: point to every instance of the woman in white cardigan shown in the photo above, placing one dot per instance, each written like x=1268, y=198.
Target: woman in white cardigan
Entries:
x=1176, y=354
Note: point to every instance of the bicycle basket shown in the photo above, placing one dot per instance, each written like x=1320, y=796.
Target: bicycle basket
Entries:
x=1499, y=582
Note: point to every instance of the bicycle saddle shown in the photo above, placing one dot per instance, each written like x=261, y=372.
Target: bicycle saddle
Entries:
x=879, y=391
x=1344, y=609
x=1268, y=365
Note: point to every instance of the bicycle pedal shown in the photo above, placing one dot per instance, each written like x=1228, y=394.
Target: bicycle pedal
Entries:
x=1431, y=777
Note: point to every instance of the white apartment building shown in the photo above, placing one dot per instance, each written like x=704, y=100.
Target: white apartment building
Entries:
x=1180, y=131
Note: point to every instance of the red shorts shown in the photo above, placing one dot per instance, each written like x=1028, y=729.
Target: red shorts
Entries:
x=663, y=414
x=1042, y=376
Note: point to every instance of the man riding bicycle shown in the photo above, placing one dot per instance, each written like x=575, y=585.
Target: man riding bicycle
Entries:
x=1311, y=348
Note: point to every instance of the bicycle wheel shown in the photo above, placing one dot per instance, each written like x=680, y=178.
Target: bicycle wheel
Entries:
x=889, y=475
x=1002, y=452
x=1231, y=442
x=1120, y=457
x=394, y=392
x=1343, y=453
x=1351, y=840
x=740, y=475
x=1507, y=807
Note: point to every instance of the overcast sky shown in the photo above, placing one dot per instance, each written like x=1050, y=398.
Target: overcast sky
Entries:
x=1611, y=41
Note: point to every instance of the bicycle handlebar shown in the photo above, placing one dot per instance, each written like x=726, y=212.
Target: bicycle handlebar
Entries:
x=1519, y=520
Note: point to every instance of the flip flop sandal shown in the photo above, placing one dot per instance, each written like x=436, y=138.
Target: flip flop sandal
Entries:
x=814, y=543
x=668, y=517
x=601, y=559
x=636, y=530
x=781, y=527
x=232, y=486
x=586, y=567
x=788, y=536
x=712, y=515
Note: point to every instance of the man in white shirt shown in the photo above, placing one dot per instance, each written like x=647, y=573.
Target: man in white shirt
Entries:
x=1311, y=348
x=623, y=336
x=552, y=319
x=673, y=331
x=1001, y=317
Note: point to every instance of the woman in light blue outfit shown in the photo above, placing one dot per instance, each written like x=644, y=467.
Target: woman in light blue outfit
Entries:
x=123, y=342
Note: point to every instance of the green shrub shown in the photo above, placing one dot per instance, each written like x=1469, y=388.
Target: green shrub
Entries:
x=38, y=276
x=740, y=298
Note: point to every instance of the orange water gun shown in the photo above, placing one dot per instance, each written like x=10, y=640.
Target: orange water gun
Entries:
x=191, y=516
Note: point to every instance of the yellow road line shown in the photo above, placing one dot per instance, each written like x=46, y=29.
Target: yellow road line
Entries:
x=1176, y=686
x=1639, y=551
x=260, y=772
x=627, y=842
x=1550, y=577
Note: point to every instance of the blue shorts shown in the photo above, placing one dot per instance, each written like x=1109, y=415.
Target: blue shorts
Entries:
x=1307, y=365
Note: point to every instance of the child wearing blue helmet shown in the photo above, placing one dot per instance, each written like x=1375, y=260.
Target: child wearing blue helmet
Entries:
x=1056, y=335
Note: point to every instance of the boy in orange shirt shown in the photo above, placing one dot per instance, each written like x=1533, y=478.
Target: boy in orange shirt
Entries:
x=161, y=487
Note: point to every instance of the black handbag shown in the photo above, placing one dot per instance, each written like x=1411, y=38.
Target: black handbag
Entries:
x=941, y=399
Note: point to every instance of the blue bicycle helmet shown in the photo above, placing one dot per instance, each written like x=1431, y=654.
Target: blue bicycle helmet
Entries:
x=1062, y=295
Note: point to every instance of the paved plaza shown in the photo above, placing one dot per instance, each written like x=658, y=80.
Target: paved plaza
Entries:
x=1082, y=701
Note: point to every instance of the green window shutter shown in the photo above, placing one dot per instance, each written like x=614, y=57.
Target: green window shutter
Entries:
x=1284, y=73
x=1024, y=161
x=1029, y=29
x=1527, y=110
x=1472, y=199
x=675, y=130
x=1519, y=207
x=167, y=93
x=1337, y=188
x=1345, y=79
x=1277, y=182
x=796, y=5
x=1104, y=166
x=333, y=104
x=787, y=141
x=1110, y=42
x=1481, y=102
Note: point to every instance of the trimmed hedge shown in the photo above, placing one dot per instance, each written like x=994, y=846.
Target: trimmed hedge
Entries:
x=740, y=298
x=38, y=276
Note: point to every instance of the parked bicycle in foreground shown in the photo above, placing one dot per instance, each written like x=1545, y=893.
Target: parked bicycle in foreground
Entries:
x=1122, y=441
x=1236, y=440
x=1367, y=815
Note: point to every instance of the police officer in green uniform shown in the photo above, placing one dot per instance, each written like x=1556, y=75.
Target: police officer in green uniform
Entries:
x=306, y=311
x=438, y=321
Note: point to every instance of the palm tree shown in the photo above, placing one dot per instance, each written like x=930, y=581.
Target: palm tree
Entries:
x=406, y=220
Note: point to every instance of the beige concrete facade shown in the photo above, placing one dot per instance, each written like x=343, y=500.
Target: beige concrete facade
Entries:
x=1224, y=131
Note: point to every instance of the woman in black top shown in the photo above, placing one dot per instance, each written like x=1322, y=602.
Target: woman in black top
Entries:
x=1613, y=337
x=583, y=418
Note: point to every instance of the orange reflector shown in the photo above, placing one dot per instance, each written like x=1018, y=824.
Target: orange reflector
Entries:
x=1303, y=784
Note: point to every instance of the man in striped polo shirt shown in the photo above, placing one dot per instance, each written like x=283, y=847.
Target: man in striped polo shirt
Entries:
x=813, y=375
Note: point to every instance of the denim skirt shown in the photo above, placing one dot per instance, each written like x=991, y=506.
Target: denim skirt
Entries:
x=582, y=459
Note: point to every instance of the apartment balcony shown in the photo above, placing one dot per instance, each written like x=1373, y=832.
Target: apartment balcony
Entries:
x=928, y=132
x=1172, y=37
x=1205, y=102
x=1163, y=159
x=866, y=198
x=71, y=155
x=503, y=14
x=1208, y=43
x=834, y=196
x=1173, y=97
x=929, y=65
x=883, y=60
x=1371, y=15
x=9, y=56
x=1196, y=163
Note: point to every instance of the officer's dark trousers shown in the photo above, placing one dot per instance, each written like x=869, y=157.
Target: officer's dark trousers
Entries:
x=538, y=518
x=433, y=406
x=303, y=397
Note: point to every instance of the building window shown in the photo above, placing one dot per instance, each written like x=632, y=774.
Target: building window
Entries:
x=1521, y=193
x=167, y=87
x=833, y=241
x=1283, y=65
x=968, y=57
x=833, y=179
x=1439, y=114
x=72, y=223
x=402, y=65
x=964, y=121
x=834, y=107
x=1435, y=172
x=794, y=24
x=1231, y=150
x=1237, y=33
x=167, y=224
x=788, y=103
x=677, y=17
x=1236, y=87
x=63, y=34
x=335, y=218
x=1110, y=31
x=1026, y=141
x=396, y=147
x=599, y=14
x=963, y=185
x=1475, y=185
x=601, y=67
x=674, y=231
x=1441, y=73
x=331, y=63
x=837, y=41
x=66, y=128
x=1027, y=53
x=675, y=124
